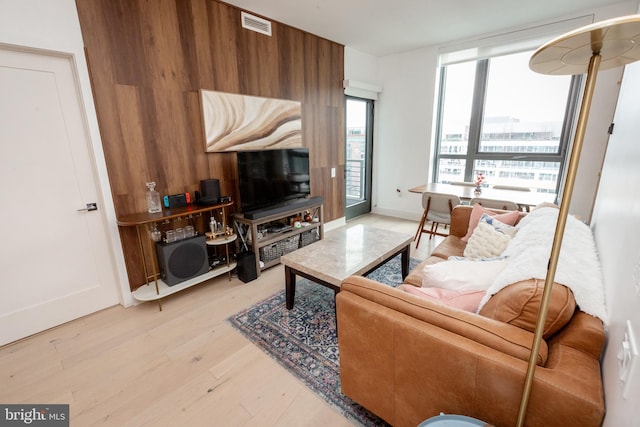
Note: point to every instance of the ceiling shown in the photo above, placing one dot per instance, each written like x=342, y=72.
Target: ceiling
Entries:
x=383, y=27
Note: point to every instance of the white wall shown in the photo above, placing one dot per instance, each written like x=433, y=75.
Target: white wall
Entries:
x=402, y=149
x=360, y=66
x=595, y=142
x=391, y=142
x=405, y=117
x=616, y=225
x=54, y=26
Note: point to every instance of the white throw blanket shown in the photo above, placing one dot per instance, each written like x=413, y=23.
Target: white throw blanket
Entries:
x=578, y=266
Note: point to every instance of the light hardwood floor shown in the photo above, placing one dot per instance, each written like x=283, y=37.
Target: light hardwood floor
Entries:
x=183, y=366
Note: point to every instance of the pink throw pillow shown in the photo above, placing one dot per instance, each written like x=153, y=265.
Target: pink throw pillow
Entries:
x=463, y=300
x=508, y=218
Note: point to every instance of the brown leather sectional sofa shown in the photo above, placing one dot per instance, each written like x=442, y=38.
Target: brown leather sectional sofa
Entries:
x=407, y=359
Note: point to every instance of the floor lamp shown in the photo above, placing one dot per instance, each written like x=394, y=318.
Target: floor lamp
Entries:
x=598, y=46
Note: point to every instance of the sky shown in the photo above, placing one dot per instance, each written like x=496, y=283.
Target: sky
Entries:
x=513, y=90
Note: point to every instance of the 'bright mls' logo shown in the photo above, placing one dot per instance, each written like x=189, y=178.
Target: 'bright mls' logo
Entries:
x=34, y=415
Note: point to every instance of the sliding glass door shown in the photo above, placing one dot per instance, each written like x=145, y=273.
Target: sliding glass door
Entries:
x=359, y=155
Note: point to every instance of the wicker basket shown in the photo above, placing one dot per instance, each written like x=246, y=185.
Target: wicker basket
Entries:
x=309, y=237
x=279, y=248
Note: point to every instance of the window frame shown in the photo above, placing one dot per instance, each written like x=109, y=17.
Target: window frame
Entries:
x=474, y=154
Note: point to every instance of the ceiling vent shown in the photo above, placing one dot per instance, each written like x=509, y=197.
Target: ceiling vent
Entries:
x=253, y=23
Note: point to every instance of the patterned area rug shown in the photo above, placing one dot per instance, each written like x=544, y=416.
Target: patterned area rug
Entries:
x=304, y=339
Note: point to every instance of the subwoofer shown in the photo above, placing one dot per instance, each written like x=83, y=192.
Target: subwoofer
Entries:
x=182, y=260
x=246, y=266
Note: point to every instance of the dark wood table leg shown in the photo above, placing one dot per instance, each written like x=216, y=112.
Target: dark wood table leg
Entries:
x=405, y=261
x=290, y=286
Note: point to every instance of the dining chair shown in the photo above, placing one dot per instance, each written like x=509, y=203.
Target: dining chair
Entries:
x=511, y=187
x=506, y=205
x=437, y=209
x=514, y=188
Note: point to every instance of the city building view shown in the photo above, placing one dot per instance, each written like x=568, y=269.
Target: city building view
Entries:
x=513, y=138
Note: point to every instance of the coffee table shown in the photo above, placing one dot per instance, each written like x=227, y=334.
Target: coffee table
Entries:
x=357, y=250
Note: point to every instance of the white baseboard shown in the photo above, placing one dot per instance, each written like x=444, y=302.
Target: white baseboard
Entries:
x=412, y=216
x=336, y=223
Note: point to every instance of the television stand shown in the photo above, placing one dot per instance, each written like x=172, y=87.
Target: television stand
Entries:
x=268, y=246
x=284, y=207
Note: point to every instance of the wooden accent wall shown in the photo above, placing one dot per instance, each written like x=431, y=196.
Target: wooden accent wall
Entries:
x=149, y=59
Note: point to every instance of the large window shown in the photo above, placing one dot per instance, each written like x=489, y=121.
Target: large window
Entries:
x=498, y=117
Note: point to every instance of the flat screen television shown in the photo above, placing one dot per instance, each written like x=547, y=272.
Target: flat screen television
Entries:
x=269, y=178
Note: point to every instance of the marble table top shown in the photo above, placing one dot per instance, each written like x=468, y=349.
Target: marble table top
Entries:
x=346, y=251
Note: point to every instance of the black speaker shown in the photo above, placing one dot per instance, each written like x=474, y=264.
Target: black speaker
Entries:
x=246, y=266
x=209, y=192
x=182, y=260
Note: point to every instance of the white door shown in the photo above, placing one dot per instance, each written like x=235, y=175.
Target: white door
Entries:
x=55, y=262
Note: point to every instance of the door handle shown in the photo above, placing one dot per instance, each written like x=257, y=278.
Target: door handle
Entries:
x=90, y=207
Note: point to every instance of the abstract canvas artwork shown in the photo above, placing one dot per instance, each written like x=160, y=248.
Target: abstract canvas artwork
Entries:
x=235, y=122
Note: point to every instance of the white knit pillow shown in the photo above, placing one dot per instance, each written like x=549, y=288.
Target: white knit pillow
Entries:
x=489, y=239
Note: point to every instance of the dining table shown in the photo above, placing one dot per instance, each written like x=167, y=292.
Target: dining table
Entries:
x=524, y=199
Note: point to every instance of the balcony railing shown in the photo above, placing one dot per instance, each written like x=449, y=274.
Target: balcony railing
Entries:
x=354, y=181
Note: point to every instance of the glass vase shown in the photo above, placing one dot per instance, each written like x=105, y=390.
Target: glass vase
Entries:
x=153, y=198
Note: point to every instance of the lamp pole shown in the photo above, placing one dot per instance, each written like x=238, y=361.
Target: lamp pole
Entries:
x=603, y=45
x=567, y=191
